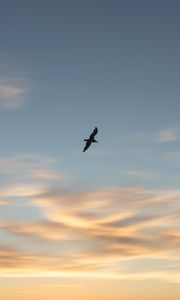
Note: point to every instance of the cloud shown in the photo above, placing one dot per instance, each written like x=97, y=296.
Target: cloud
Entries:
x=14, y=85
x=18, y=264
x=11, y=258
x=42, y=230
x=116, y=222
x=30, y=167
x=167, y=135
x=21, y=190
x=43, y=174
x=95, y=231
x=12, y=94
x=116, y=215
x=4, y=202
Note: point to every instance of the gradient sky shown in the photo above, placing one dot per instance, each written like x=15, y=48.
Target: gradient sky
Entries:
x=103, y=224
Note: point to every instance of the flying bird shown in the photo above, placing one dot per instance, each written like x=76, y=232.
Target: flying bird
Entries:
x=90, y=139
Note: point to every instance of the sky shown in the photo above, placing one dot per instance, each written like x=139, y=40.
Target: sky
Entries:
x=103, y=224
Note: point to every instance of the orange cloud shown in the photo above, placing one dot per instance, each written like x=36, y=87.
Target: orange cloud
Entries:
x=96, y=230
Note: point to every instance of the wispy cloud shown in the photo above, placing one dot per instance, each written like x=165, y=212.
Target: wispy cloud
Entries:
x=43, y=174
x=165, y=135
x=31, y=167
x=4, y=202
x=14, y=85
x=98, y=229
x=43, y=230
x=12, y=93
x=21, y=190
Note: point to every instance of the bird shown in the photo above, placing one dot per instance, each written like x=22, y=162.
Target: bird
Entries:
x=90, y=139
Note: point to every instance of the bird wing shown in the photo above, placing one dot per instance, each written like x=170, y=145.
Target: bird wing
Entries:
x=94, y=133
x=88, y=143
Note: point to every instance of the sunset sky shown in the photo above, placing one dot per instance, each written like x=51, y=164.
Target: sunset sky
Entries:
x=104, y=224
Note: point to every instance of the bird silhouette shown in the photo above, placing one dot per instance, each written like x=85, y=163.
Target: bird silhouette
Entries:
x=90, y=139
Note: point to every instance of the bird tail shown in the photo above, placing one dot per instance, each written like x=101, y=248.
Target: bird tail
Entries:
x=85, y=140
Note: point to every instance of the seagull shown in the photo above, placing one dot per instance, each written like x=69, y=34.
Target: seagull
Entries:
x=90, y=139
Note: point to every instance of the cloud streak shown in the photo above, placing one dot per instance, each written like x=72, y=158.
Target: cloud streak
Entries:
x=12, y=94
x=165, y=135
x=98, y=230
x=14, y=86
x=30, y=167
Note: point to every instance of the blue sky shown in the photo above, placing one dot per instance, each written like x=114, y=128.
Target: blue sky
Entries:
x=90, y=63
x=66, y=67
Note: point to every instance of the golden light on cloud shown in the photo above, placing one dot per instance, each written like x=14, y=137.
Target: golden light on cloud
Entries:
x=21, y=191
x=44, y=174
x=92, y=233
